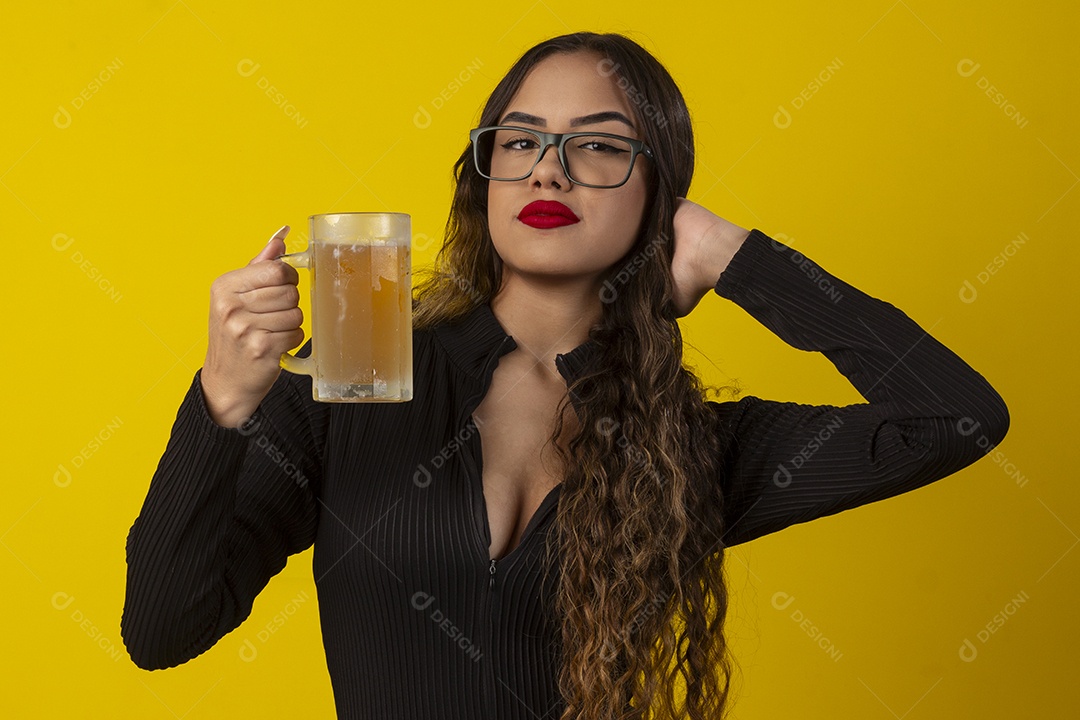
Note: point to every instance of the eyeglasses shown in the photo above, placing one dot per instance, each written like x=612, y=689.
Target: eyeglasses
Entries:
x=591, y=159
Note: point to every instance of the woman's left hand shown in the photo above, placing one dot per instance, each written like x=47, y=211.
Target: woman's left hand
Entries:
x=704, y=245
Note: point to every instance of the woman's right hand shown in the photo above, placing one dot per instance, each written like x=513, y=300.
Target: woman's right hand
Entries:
x=255, y=316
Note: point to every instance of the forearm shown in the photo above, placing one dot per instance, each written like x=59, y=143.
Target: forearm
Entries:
x=885, y=354
x=174, y=548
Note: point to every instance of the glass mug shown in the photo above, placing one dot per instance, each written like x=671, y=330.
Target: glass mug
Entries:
x=361, y=307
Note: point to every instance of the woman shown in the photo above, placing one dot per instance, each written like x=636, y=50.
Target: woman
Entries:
x=534, y=574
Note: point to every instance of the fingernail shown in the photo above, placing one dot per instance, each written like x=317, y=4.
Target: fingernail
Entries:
x=283, y=227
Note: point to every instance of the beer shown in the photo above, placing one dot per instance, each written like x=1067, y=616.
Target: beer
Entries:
x=361, y=307
x=361, y=321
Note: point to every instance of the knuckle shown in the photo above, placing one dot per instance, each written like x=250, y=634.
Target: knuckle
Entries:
x=235, y=328
x=261, y=346
x=279, y=273
x=221, y=307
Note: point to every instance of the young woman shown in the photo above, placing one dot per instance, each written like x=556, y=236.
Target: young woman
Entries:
x=570, y=564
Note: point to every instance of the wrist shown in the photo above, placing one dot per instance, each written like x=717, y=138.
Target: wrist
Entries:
x=725, y=241
x=224, y=409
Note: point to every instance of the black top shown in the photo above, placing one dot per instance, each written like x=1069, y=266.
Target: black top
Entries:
x=417, y=620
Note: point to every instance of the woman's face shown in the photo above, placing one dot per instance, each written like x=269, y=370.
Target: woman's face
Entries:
x=557, y=90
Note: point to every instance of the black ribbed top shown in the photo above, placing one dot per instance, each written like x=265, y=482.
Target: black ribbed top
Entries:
x=417, y=620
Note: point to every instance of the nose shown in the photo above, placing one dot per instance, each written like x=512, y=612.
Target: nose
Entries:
x=549, y=169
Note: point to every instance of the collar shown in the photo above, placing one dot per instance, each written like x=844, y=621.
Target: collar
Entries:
x=471, y=339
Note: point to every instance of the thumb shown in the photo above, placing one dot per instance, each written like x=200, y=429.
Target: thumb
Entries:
x=275, y=247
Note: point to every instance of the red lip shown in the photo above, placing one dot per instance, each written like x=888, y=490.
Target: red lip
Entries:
x=543, y=222
x=546, y=214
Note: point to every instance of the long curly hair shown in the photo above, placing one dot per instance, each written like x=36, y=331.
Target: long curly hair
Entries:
x=641, y=594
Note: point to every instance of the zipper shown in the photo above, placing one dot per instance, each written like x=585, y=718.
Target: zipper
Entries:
x=489, y=596
x=489, y=666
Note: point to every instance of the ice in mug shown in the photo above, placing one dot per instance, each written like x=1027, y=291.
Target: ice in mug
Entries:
x=359, y=320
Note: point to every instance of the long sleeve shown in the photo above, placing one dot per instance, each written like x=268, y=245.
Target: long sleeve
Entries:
x=224, y=510
x=928, y=413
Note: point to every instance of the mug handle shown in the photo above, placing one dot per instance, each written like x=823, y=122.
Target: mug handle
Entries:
x=305, y=365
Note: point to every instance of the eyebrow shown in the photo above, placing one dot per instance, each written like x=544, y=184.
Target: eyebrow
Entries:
x=574, y=122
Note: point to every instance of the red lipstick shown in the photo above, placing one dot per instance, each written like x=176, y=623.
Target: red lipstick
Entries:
x=544, y=214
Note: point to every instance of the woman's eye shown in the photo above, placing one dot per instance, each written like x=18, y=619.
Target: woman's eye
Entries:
x=597, y=146
x=516, y=144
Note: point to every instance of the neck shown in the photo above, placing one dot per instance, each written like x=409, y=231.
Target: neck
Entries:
x=547, y=318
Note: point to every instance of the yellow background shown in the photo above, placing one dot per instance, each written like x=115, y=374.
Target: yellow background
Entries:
x=898, y=174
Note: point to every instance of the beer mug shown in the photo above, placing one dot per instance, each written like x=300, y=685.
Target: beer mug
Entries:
x=361, y=307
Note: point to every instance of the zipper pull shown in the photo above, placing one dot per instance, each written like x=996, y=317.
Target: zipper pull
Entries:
x=492, y=571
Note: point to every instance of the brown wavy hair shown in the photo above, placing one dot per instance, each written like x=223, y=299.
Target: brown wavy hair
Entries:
x=641, y=595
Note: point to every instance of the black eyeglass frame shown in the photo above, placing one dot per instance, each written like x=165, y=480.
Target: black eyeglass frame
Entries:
x=637, y=147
